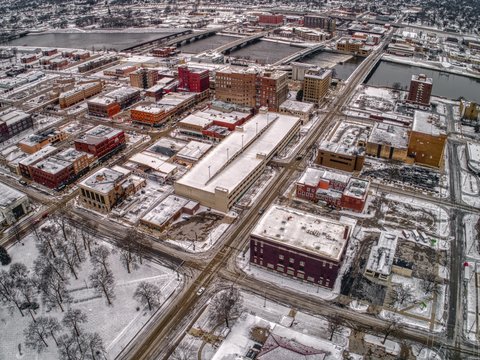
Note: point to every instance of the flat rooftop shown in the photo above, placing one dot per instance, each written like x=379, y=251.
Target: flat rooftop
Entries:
x=293, y=105
x=344, y=138
x=12, y=117
x=9, y=195
x=389, y=134
x=153, y=161
x=40, y=154
x=233, y=160
x=103, y=180
x=164, y=210
x=357, y=188
x=422, y=78
x=152, y=109
x=175, y=99
x=382, y=254
x=319, y=74
x=53, y=165
x=312, y=176
x=428, y=123
x=304, y=231
x=71, y=154
x=194, y=150
x=98, y=134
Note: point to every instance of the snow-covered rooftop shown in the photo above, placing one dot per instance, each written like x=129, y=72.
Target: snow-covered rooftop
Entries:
x=389, y=134
x=293, y=105
x=193, y=151
x=230, y=162
x=344, y=138
x=153, y=161
x=164, y=210
x=98, y=134
x=473, y=156
x=381, y=256
x=298, y=229
x=40, y=154
x=312, y=176
x=103, y=180
x=9, y=195
x=428, y=123
x=11, y=117
x=53, y=165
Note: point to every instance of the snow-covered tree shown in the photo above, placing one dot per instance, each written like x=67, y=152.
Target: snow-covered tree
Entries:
x=226, y=305
x=36, y=334
x=99, y=257
x=5, y=258
x=148, y=294
x=73, y=319
x=128, y=250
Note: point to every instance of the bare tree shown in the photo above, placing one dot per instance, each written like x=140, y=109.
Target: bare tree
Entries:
x=53, y=288
x=94, y=346
x=401, y=294
x=53, y=327
x=36, y=334
x=148, y=294
x=68, y=348
x=63, y=221
x=73, y=319
x=334, y=324
x=429, y=285
x=22, y=282
x=68, y=255
x=99, y=257
x=9, y=293
x=226, y=305
x=56, y=265
x=76, y=241
x=392, y=326
x=104, y=283
x=182, y=353
x=88, y=235
x=128, y=248
x=45, y=241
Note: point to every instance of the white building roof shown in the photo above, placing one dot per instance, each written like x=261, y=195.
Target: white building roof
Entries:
x=344, y=138
x=11, y=117
x=473, y=156
x=195, y=120
x=103, y=180
x=304, y=231
x=165, y=210
x=153, y=161
x=9, y=196
x=428, y=123
x=193, y=151
x=232, y=161
x=40, y=154
x=381, y=256
x=293, y=105
x=312, y=176
x=389, y=134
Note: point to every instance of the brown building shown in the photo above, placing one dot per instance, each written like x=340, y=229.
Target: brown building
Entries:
x=420, y=90
x=427, y=139
x=316, y=84
x=79, y=93
x=52, y=172
x=252, y=88
x=143, y=78
x=344, y=146
x=80, y=160
x=388, y=141
x=320, y=22
x=31, y=144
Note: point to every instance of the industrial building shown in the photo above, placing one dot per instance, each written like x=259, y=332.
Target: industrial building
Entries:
x=301, y=245
x=13, y=205
x=223, y=175
x=79, y=93
x=344, y=146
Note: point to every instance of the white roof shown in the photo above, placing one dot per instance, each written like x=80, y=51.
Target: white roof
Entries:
x=229, y=163
x=40, y=154
x=473, y=155
x=194, y=150
x=389, y=134
x=381, y=256
x=312, y=176
x=195, y=120
x=293, y=105
x=103, y=180
x=428, y=123
x=301, y=230
x=344, y=137
x=165, y=210
x=9, y=195
x=14, y=116
x=153, y=161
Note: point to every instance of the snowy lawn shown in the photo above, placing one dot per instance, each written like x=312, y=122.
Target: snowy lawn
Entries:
x=116, y=324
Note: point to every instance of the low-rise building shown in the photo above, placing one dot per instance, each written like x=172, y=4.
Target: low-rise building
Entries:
x=151, y=166
x=13, y=122
x=52, y=172
x=32, y=143
x=112, y=103
x=107, y=187
x=13, y=205
x=344, y=146
x=301, y=245
x=388, y=141
x=334, y=188
x=80, y=160
x=167, y=211
x=101, y=141
x=380, y=262
x=192, y=152
x=79, y=93
x=297, y=108
x=24, y=165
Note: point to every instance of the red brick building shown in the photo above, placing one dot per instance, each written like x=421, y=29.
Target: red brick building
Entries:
x=420, y=90
x=270, y=19
x=333, y=188
x=101, y=141
x=192, y=79
x=52, y=172
x=299, y=244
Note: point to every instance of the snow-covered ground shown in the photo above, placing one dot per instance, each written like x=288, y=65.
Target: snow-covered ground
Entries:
x=115, y=334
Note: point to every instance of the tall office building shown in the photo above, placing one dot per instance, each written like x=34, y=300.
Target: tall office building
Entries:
x=316, y=84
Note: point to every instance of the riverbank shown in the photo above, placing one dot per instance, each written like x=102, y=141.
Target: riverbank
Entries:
x=433, y=65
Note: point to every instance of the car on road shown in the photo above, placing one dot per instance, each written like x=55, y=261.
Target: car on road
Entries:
x=200, y=291
x=23, y=182
x=261, y=211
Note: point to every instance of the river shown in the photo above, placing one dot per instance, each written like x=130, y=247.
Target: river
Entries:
x=343, y=64
x=265, y=51
x=118, y=40
x=208, y=43
x=450, y=86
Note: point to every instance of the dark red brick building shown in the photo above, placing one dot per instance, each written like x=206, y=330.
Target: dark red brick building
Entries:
x=420, y=90
x=299, y=244
x=193, y=80
x=100, y=141
x=52, y=172
x=270, y=19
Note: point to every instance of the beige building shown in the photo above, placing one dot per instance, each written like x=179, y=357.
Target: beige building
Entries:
x=297, y=108
x=107, y=187
x=32, y=143
x=316, y=84
x=225, y=173
x=79, y=93
x=237, y=86
x=388, y=141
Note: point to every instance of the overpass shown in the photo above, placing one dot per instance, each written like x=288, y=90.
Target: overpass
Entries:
x=194, y=36
x=300, y=54
x=236, y=44
x=155, y=42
